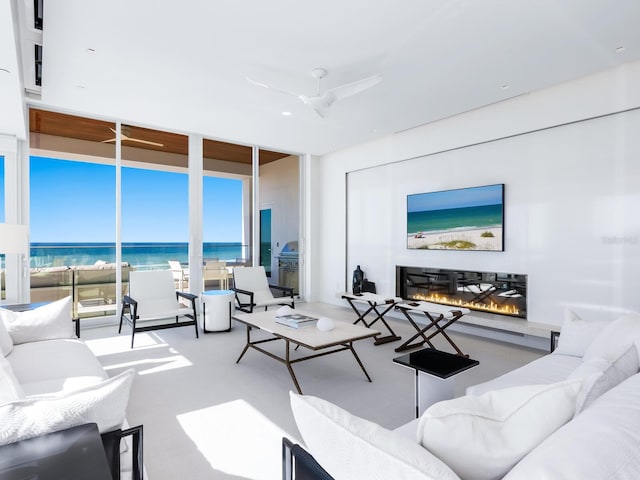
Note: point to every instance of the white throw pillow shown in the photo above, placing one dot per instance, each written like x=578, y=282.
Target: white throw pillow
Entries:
x=577, y=334
x=601, y=375
x=6, y=344
x=351, y=448
x=10, y=389
x=615, y=338
x=483, y=437
x=104, y=403
x=48, y=322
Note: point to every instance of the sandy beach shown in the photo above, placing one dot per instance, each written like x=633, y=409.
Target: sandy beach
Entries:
x=458, y=240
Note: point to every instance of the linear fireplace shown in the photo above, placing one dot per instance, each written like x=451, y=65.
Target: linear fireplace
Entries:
x=493, y=292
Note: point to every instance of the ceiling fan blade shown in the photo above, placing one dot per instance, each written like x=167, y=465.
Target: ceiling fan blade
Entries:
x=146, y=142
x=109, y=140
x=349, y=89
x=286, y=92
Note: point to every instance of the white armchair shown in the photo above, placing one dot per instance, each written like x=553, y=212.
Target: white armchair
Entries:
x=253, y=290
x=153, y=300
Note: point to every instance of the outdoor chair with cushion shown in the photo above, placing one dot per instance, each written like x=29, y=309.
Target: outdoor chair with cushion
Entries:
x=253, y=290
x=154, y=301
x=180, y=276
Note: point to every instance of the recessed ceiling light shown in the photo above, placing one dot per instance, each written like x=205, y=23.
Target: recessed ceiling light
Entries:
x=91, y=50
x=4, y=70
x=81, y=87
x=505, y=87
x=286, y=114
x=620, y=49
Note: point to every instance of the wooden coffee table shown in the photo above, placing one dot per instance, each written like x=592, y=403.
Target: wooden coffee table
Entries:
x=337, y=340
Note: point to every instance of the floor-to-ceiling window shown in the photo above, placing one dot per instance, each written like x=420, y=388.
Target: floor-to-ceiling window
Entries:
x=2, y=257
x=74, y=218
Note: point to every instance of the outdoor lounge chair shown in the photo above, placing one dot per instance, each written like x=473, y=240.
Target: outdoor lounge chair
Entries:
x=153, y=300
x=253, y=290
x=180, y=276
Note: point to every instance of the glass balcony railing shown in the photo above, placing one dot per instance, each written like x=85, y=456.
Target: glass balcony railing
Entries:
x=87, y=272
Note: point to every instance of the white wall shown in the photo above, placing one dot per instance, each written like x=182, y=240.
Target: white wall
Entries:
x=280, y=191
x=572, y=191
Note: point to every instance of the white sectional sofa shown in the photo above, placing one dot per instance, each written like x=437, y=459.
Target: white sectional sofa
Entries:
x=572, y=414
x=50, y=381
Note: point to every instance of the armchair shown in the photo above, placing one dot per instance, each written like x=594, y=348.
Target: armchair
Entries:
x=152, y=298
x=253, y=290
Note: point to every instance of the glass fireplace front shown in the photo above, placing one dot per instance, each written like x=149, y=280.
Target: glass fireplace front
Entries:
x=493, y=292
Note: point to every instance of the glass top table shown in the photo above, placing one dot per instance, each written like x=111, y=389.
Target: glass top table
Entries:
x=435, y=373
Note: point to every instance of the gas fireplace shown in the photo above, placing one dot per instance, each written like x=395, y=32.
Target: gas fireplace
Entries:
x=492, y=292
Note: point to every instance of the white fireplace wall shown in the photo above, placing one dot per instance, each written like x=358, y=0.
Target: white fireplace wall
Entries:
x=572, y=195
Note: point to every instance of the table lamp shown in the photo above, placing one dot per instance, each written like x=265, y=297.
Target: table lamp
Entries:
x=13, y=239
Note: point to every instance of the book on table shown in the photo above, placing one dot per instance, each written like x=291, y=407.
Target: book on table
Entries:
x=296, y=320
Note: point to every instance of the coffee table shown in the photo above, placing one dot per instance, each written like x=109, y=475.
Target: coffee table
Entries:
x=435, y=374
x=337, y=340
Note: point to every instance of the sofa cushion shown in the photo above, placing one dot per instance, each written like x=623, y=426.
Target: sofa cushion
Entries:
x=10, y=388
x=483, y=437
x=544, y=370
x=6, y=344
x=55, y=365
x=103, y=404
x=47, y=322
x=577, y=334
x=351, y=448
x=600, y=443
x=600, y=375
x=615, y=338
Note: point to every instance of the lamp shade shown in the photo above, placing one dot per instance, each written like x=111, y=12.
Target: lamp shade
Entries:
x=13, y=238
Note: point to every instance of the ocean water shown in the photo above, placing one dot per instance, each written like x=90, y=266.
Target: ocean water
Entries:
x=136, y=254
x=483, y=216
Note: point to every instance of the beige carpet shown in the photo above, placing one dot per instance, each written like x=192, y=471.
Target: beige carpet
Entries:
x=206, y=417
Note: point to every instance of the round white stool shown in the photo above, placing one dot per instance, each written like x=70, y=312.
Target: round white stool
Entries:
x=216, y=310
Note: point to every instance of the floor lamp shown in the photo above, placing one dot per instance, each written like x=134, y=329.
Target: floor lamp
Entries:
x=13, y=239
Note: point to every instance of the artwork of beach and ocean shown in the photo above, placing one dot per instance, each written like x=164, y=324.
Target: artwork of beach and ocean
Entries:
x=139, y=255
x=462, y=219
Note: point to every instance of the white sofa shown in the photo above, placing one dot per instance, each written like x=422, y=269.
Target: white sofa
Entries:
x=50, y=381
x=572, y=414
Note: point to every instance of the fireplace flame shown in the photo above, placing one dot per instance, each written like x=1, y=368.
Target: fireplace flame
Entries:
x=487, y=307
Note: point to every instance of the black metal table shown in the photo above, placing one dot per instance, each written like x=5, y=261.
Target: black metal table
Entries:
x=76, y=453
x=435, y=374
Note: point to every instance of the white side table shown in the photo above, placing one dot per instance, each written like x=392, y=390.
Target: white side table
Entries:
x=216, y=310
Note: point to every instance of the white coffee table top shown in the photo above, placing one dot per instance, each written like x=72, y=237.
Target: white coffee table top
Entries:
x=307, y=336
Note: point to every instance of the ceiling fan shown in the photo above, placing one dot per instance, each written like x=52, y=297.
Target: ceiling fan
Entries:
x=127, y=138
x=321, y=102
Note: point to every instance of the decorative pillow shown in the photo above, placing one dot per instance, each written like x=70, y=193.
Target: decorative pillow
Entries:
x=577, y=334
x=6, y=344
x=48, y=322
x=104, y=403
x=600, y=375
x=351, y=448
x=483, y=437
x=615, y=338
x=10, y=389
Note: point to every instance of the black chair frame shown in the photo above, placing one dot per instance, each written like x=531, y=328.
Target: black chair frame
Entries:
x=131, y=306
x=298, y=464
x=248, y=307
x=111, y=443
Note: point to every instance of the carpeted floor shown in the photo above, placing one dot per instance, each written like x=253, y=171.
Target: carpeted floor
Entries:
x=206, y=417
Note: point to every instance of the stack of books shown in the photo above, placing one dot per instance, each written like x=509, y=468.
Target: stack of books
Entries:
x=296, y=320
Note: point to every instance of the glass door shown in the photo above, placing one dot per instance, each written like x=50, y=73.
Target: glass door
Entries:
x=265, y=240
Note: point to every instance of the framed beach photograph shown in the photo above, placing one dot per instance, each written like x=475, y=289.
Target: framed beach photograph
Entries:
x=469, y=219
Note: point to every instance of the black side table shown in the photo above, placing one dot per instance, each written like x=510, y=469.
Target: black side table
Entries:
x=435, y=374
x=72, y=454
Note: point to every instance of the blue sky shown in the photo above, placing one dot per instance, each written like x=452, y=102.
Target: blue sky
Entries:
x=75, y=202
x=460, y=198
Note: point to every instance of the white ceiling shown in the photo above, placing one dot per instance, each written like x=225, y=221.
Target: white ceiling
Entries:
x=182, y=65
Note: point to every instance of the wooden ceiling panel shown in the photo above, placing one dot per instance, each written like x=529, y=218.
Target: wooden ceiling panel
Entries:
x=71, y=126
